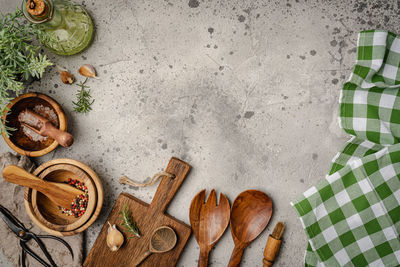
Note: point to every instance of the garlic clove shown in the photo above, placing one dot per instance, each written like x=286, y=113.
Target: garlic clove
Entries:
x=87, y=70
x=115, y=238
x=66, y=77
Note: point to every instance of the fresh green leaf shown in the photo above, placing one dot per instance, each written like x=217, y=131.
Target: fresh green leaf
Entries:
x=19, y=58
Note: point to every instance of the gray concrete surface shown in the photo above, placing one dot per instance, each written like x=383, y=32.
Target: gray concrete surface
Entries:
x=245, y=91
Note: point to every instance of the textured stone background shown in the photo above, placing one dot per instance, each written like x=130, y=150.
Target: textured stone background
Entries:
x=245, y=91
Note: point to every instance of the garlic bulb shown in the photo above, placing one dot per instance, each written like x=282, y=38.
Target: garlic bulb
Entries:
x=87, y=70
x=115, y=239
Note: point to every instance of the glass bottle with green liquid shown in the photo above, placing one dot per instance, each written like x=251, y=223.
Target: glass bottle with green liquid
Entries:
x=68, y=25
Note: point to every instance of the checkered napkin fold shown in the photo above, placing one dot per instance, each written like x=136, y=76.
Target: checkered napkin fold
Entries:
x=352, y=217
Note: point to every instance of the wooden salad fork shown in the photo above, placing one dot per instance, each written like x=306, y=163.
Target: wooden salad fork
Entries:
x=209, y=221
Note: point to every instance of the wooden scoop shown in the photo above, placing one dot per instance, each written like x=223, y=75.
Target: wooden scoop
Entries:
x=250, y=214
x=48, y=129
x=60, y=193
x=162, y=240
x=208, y=222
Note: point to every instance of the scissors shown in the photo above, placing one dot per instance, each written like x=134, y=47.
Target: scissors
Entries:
x=24, y=236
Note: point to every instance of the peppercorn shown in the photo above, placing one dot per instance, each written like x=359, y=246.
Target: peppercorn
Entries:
x=79, y=205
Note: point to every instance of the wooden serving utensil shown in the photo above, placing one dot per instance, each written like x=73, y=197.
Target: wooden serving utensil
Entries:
x=209, y=221
x=48, y=129
x=273, y=244
x=162, y=240
x=60, y=193
x=250, y=214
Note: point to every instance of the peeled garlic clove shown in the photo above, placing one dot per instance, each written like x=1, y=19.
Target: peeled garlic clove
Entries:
x=115, y=239
x=87, y=70
x=66, y=77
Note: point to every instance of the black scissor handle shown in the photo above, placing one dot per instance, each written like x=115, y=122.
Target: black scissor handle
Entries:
x=19, y=230
x=60, y=240
x=26, y=249
x=37, y=238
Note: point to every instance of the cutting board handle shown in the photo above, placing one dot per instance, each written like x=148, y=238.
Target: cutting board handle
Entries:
x=169, y=186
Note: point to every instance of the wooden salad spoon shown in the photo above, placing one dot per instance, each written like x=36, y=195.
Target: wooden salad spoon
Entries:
x=250, y=214
x=209, y=222
x=162, y=240
x=59, y=193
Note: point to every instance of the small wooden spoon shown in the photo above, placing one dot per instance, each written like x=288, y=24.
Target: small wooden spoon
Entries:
x=250, y=214
x=60, y=193
x=209, y=222
x=48, y=129
x=162, y=240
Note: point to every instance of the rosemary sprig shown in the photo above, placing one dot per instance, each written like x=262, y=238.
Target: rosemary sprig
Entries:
x=84, y=103
x=20, y=57
x=4, y=128
x=128, y=222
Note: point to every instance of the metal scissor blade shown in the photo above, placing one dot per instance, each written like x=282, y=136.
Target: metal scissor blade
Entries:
x=13, y=223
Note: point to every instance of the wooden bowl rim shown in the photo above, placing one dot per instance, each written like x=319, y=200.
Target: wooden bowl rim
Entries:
x=100, y=197
x=62, y=124
x=92, y=198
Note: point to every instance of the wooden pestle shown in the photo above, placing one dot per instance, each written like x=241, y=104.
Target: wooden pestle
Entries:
x=273, y=244
x=60, y=193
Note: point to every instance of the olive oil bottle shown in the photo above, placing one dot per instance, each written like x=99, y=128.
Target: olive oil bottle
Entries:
x=68, y=25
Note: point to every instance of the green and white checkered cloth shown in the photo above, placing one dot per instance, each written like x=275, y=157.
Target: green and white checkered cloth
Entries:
x=352, y=217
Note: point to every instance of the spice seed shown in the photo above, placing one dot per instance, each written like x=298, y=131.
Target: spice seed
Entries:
x=78, y=207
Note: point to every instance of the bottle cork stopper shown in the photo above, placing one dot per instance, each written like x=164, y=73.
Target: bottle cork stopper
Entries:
x=36, y=7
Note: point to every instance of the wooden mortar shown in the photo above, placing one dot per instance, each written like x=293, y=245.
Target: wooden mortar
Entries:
x=48, y=212
x=18, y=141
x=97, y=183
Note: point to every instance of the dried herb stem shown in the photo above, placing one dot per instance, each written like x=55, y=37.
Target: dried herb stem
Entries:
x=84, y=99
x=128, y=222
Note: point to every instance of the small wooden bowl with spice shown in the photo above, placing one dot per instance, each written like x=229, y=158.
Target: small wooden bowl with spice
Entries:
x=22, y=140
x=75, y=216
x=47, y=215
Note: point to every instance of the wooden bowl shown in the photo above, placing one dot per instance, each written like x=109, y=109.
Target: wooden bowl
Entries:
x=48, y=212
x=17, y=140
x=100, y=195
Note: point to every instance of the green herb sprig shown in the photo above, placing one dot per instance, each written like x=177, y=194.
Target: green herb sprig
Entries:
x=128, y=222
x=19, y=57
x=84, y=102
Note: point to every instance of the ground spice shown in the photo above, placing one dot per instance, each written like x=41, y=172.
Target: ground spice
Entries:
x=47, y=112
x=79, y=205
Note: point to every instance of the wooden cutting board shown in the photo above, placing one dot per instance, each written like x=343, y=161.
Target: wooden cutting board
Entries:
x=148, y=218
